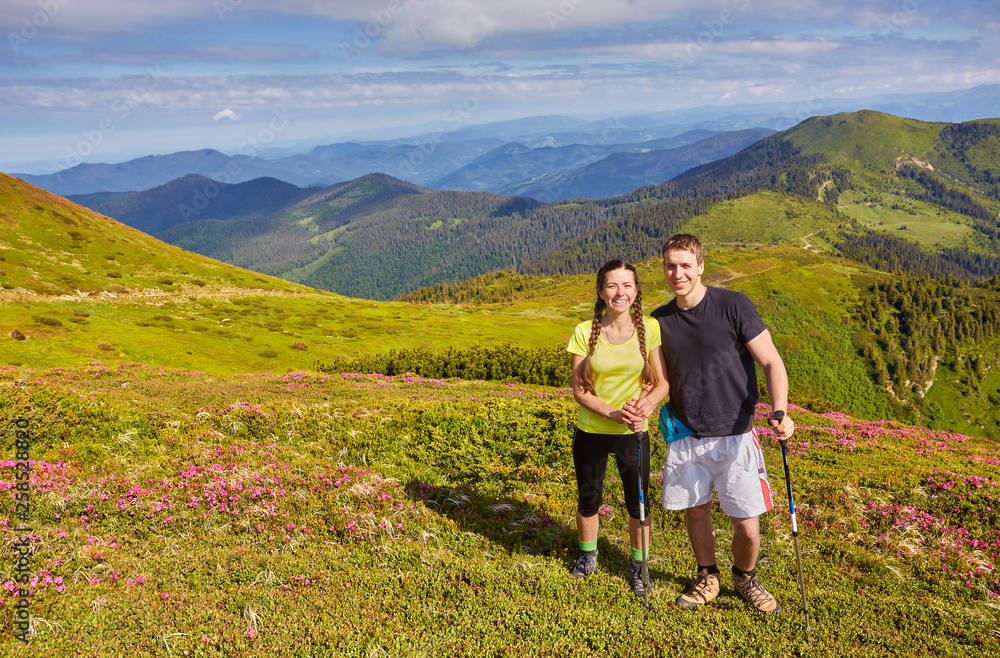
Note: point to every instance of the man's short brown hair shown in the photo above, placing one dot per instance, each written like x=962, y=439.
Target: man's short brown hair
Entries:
x=684, y=242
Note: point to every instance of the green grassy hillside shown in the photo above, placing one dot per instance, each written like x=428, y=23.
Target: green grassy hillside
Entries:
x=970, y=153
x=765, y=218
x=870, y=153
x=923, y=223
x=295, y=515
x=79, y=287
x=54, y=247
x=874, y=139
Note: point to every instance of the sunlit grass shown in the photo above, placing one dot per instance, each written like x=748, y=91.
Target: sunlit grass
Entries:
x=915, y=221
x=344, y=515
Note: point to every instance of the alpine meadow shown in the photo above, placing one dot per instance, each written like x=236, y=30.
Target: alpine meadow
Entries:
x=336, y=419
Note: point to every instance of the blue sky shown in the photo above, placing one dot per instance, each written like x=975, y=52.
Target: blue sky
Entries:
x=102, y=80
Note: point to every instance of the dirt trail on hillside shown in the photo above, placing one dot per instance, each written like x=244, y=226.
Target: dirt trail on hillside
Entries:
x=155, y=297
x=822, y=188
x=725, y=277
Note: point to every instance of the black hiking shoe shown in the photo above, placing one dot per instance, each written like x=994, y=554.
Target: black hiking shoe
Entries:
x=638, y=583
x=586, y=564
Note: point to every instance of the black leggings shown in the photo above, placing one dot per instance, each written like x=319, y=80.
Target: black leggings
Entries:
x=590, y=457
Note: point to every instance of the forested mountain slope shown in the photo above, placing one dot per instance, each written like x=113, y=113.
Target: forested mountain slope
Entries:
x=374, y=237
x=195, y=197
x=626, y=171
x=379, y=237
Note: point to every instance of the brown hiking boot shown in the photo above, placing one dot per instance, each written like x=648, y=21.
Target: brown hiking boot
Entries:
x=704, y=588
x=749, y=588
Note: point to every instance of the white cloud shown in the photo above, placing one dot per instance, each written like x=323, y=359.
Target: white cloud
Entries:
x=226, y=114
x=414, y=25
x=243, y=94
x=463, y=27
x=86, y=62
x=754, y=69
x=688, y=49
x=403, y=25
x=791, y=47
x=758, y=90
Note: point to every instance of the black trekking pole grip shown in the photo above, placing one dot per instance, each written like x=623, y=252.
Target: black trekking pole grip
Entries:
x=778, y=416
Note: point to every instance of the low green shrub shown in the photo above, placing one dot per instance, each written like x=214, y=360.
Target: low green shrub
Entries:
x=547, y=366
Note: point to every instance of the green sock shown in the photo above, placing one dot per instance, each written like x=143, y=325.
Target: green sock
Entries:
x=638, y=555
x=588, y=546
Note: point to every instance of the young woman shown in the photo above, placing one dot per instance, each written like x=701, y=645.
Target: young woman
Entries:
x=619, y=378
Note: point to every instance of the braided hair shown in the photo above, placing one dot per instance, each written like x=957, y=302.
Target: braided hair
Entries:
x=600, y=306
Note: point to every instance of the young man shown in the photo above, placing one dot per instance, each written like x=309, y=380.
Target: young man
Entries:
x=711, y=339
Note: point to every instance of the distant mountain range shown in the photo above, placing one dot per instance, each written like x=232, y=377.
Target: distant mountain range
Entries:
x=379, y=236
x=950, y=106
x=515, y=166
x=324, y=166
x=313, y=235
x=153, y=170
x=194, y=197
x=623, y=172
x=441, y=157
x=550, y=173
x=474, y=165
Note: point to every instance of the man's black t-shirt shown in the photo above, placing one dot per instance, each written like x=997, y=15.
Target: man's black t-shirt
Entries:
x=713, y=382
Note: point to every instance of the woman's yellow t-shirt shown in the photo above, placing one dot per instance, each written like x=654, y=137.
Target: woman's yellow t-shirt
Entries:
x=617, y=372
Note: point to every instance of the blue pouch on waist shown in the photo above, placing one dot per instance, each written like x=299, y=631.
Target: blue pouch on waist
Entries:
x=671, y=426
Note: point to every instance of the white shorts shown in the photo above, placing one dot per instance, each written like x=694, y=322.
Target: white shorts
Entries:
x=731, y=465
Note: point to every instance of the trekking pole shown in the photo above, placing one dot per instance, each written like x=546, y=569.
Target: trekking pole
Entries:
x=642, y=525
x=778, y=415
